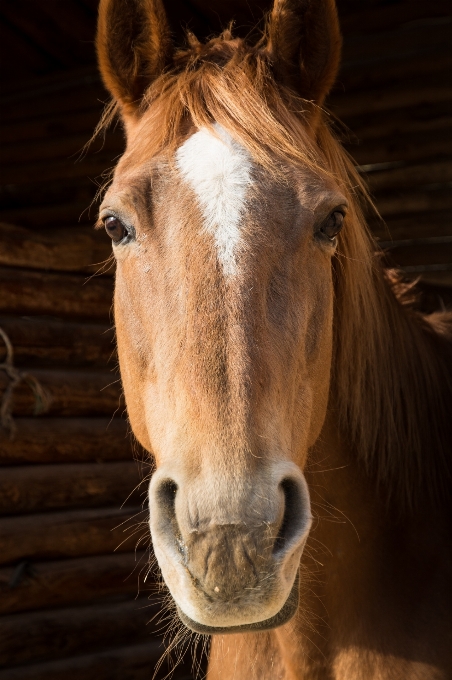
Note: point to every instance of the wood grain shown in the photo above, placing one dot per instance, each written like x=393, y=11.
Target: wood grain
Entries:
x=71, y=249
x=56, y=535
x=53, y=634
x=58, y=583
x=68, y=393
x=42, y=342
x=84, y=485
x=67, y=440
x=66, y=295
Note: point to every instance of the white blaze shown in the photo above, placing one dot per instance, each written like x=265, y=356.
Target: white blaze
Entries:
x=219, y=171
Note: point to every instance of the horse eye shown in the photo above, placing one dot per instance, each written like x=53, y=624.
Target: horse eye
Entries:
x=333, y=225
x=115, y=229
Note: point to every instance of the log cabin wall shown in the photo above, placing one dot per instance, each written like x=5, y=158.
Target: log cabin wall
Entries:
x=67, y=591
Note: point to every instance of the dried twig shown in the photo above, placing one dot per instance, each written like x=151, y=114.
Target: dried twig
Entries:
x=42, y=399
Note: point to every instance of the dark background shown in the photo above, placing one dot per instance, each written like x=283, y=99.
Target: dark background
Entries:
x=67, y=599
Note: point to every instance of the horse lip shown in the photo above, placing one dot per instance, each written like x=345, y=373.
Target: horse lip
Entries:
x=285, y=614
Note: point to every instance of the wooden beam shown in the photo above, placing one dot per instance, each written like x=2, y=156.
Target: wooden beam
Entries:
x=136, y=662
x=59, y=633
x=91, y=166
x=380, y=125
x=417, y=201
x=63, y=583
x=27, y=59
x=408, y=95
x=433, y=172
x=414, y=225
x=406, y=254
x=49, y=214
x=69, y=168
x=124, y=663
x=39, y=488
x=83, y=92
x=402, y=43
x=67, y=393
x=42, y=342
x=409, y=148
x=372, y=19
x=373, y=72
x=50, y=126
x=29, y=292
x=68, y=440
x=74, y=533
x=68, y=146
x=41, y=31
x=441, y=280
x=72, y=249
x=59, y=201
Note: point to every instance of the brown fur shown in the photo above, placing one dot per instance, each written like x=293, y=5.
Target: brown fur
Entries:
x=382, y=461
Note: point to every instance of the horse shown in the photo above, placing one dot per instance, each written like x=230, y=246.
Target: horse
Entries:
x=294, y=398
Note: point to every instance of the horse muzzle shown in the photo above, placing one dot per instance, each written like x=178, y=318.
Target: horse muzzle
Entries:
x=229, y=549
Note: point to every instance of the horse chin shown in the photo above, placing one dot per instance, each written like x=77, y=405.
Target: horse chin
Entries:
x=285, y=614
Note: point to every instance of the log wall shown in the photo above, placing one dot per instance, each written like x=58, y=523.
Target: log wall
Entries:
x=68, y=574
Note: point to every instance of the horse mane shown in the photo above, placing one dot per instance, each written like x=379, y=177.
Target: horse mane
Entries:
x=392, y=366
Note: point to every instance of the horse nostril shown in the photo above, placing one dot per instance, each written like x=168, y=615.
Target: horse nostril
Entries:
x=166, y=500
x=294, y=518
x=166, y=497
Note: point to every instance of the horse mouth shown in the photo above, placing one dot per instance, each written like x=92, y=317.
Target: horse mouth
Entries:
x=285, y=614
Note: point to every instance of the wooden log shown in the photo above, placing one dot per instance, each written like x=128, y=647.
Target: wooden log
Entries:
x=52, y=214
x=82, y=93
x=373, y=72
x=69, y=146
x=66, y=440
x=417, y=225
x=439, y=279
x=42, y=31
x=55, y=195
x=63, y=583
x=90, y=166
x=389, y=99
x=438, y=172
x=67, y=393
x=136, y=662
x=30, y=292
x=71, y=249
x=74, y=533
x=83, y=485
x=133, y=663
x=408, y=148
x=406, y=254
x=59, y=633
x=377, y=18
x=417, y=201
x=42, y=342
x=399, y=43
x=50, y=126
x=26, y=57
x=380, y=125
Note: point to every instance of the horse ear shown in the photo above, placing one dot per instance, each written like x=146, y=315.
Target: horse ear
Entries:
x=304, y=44
x=133, y=47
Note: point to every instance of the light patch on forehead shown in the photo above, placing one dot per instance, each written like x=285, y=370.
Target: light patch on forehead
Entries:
x=219, y=171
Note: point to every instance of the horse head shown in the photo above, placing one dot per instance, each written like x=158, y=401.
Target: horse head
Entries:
x=224, y=224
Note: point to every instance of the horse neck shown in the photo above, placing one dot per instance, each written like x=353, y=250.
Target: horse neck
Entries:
x=366, y=575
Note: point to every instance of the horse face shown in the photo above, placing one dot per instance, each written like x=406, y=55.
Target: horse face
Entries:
x=223, y=309
x=223, y=303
